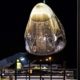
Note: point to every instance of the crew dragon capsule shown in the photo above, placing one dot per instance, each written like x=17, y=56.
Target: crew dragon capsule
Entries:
x=44, y=34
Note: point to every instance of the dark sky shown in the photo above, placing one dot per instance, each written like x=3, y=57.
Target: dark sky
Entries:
x=13, y=19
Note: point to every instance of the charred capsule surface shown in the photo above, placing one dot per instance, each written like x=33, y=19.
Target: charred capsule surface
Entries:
x=44, y=32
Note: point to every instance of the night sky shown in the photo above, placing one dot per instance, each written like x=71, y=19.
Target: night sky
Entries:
x=13, y=19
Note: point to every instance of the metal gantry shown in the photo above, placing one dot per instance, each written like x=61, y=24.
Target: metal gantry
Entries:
x=50, y=74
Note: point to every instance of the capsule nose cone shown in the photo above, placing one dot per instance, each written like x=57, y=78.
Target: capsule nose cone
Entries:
x=44, y=34
x=41, y=12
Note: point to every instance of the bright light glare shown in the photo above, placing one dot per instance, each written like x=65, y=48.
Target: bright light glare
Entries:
x=44, y=67
x=50, y=58
x=22, y=58
x=46, y=59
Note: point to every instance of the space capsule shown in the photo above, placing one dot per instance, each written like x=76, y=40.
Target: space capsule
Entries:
x=44, y=34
